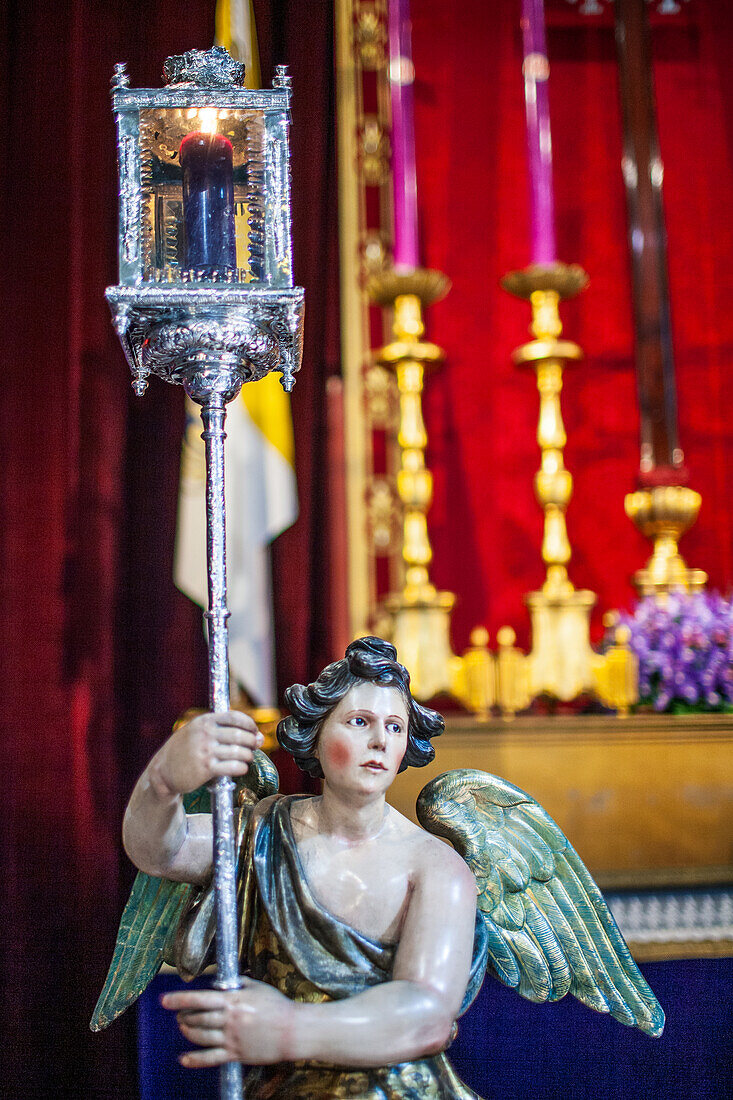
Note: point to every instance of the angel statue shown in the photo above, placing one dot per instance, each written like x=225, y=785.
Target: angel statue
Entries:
x=363, y=938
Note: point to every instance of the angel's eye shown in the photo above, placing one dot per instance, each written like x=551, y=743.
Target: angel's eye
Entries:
x=395, y=727
x=357, y=720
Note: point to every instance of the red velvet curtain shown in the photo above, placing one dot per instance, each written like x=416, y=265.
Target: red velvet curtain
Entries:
x=100, y=653
x=481, y=411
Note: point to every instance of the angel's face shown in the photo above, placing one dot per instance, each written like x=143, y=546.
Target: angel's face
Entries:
x=364, y=738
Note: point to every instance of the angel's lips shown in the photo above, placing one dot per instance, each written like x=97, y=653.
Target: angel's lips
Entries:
x=374, y=766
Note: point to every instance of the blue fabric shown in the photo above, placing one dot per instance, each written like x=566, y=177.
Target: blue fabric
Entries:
x=510, y=1049
x=159, y=1044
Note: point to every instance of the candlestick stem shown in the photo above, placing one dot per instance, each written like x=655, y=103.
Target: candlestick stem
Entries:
x=419, y=615
x=553, y=483
x=408, y=356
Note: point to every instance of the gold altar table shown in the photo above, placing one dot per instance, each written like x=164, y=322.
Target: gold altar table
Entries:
x=647, y=800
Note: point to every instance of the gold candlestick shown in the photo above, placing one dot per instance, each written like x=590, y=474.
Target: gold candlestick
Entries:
x=560, y=662
x=419, y=614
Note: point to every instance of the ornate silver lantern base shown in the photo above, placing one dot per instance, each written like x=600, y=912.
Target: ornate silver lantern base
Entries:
x=175, y=332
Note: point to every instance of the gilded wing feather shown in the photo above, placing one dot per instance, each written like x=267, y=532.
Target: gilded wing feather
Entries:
x=550, y=931
x=150, y=919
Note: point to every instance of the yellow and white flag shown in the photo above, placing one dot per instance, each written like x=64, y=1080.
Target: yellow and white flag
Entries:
x=261, y=497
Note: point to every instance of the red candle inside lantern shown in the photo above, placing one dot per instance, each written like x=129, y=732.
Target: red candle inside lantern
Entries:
x=208, y=202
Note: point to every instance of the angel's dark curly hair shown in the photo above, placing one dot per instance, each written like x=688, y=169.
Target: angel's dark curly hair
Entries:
x=367, y=659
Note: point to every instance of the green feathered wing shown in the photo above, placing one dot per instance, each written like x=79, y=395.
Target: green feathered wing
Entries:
x=150, y=919
x=550, y=931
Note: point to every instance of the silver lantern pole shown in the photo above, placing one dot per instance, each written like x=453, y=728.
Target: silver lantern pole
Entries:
x=209, y=330
x=213, y=414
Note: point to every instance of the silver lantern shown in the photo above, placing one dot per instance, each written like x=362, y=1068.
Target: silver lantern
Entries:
x=206, y=300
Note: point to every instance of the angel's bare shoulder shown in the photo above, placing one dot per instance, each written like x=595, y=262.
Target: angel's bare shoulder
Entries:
x=434, y=862
x=439, y=861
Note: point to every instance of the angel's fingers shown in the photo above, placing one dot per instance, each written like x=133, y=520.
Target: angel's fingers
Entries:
x=209, y=1056
x=235, y=735
x=238, y=719
x=233, y=752
x=204, y=1036
x=210, y=1018
x=196, y=999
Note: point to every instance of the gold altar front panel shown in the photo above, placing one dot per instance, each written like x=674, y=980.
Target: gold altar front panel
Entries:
x=646, y=801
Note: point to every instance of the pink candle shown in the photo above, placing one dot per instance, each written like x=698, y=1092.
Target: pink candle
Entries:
x=536, y=70
x=404, y=179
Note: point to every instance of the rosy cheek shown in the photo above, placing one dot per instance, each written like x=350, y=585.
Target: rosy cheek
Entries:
x=338, y=754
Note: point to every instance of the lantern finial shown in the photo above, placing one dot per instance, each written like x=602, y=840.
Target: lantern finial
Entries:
x=214, y=68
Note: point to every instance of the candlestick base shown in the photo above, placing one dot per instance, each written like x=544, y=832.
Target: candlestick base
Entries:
x=664, y=514
x=420, y=630
x=560, y=662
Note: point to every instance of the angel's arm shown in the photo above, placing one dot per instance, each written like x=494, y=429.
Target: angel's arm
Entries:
x=159, y=836
x=408, y=1017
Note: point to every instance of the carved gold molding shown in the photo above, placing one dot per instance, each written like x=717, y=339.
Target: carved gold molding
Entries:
x=371, y=402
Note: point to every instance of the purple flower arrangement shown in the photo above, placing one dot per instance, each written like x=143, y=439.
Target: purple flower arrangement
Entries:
x=685, y=651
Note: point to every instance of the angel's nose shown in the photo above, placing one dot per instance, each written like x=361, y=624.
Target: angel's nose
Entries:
x=377, y=736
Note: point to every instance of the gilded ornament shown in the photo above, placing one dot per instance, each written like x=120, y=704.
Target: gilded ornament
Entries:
x=374, y=254
x=513, y=688
x=382, y=397
x=371, y=37
x=375, y=152
x=385, y=515
x=616, y=673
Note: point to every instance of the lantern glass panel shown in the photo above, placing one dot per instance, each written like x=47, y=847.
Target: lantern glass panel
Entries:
x=202, y=173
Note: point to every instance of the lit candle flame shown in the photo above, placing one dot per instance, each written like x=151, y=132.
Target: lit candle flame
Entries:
x=208, y=120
